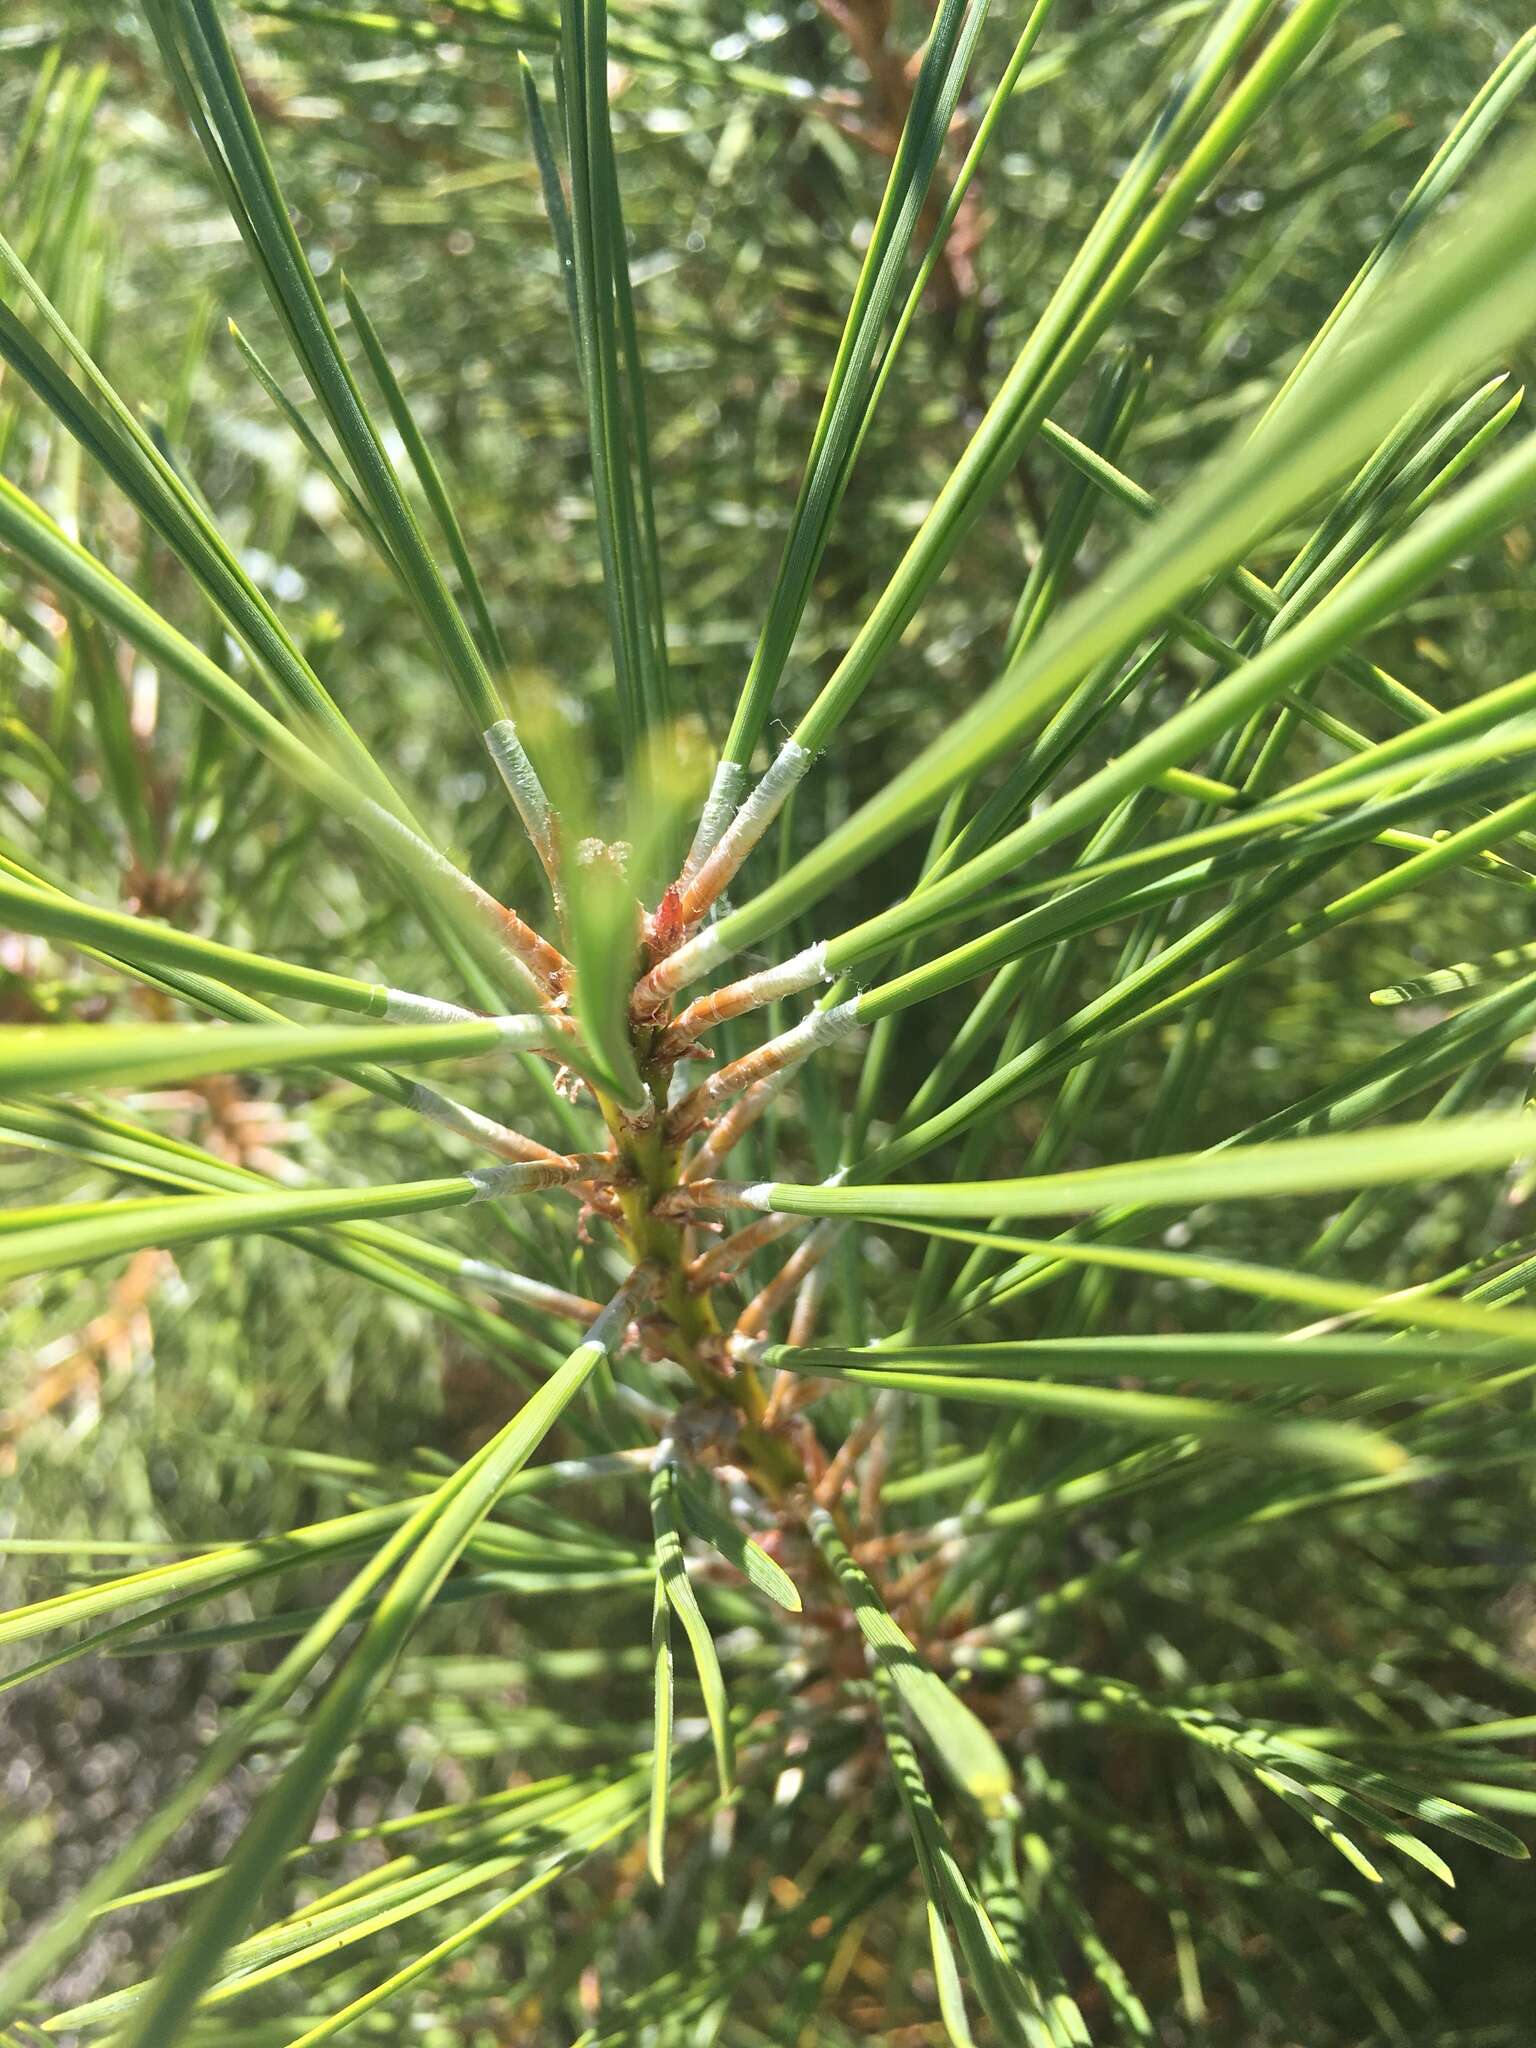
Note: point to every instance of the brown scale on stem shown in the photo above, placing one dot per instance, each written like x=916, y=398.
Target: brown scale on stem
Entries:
x=801, y=1263
x=663, y=1165
x=717, y=1264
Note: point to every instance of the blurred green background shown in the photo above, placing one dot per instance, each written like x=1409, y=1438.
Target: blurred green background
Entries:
x=750, y=154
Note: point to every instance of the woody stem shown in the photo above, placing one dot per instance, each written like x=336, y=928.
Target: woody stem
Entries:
x=650, y=1166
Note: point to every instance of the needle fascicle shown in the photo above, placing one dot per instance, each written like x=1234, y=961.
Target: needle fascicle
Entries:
x=723, y=1258
x=802, y=971
x=715, y=874
x=482, y=1130
x=728, y=1130
x=492, y=1182
x=526, y=791
x=820, y=1028
x=804, y=1260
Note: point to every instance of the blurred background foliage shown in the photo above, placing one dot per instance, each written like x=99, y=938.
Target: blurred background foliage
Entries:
x=750, y=154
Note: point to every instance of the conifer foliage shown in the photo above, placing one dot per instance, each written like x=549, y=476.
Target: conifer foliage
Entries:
x=936, y=1496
